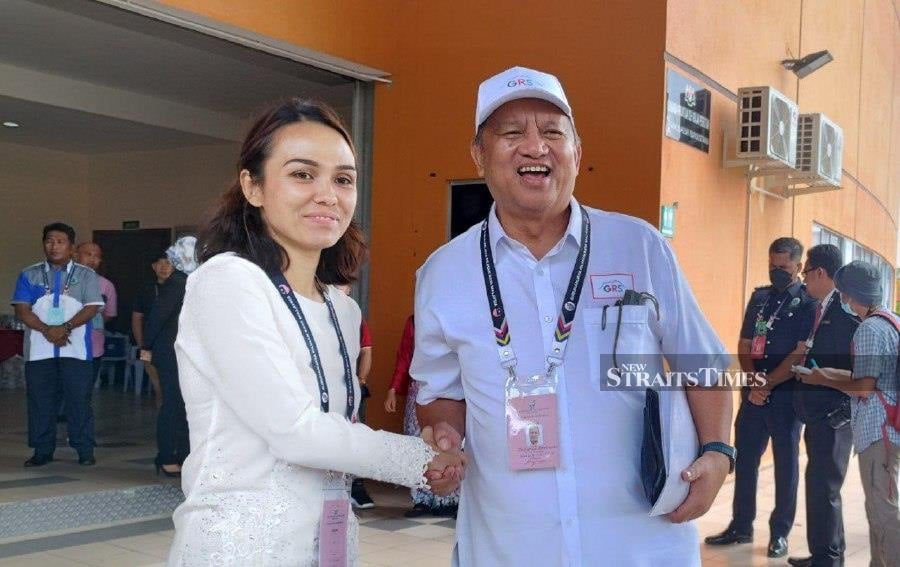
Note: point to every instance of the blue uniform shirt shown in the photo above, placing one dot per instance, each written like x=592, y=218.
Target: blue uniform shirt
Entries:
x=795, y=313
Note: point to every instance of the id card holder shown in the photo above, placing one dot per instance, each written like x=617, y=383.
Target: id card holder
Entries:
x=333, y=524
x=758, y=346
x=532, y=423
x=56, y=316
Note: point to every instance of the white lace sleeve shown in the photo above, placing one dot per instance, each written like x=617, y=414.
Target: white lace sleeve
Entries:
x=399, y=459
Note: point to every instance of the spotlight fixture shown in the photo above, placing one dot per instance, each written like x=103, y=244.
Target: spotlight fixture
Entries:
x=10, y=124
x=806, y=65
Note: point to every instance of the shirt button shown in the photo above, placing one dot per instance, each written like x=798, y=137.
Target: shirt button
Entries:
x=765, y=356
x=547, y=318
x=768, y=342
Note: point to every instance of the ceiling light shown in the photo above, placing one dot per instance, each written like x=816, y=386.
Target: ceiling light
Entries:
x=9, y=124
x=806, y=65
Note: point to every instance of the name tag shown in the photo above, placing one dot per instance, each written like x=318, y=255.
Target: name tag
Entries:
x=333, y=533
x=758, y=347
x=533, y=432
x=56, y=316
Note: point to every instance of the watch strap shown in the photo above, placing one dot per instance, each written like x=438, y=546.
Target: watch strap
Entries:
x=724, y=448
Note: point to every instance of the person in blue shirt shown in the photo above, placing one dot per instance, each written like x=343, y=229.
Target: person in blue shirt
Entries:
x=57, y=299
x=778, y=317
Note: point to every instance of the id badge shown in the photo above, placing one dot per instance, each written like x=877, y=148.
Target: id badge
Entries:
x=532, y=423
x=56, y=316
x=334, y=521
x=758, y=347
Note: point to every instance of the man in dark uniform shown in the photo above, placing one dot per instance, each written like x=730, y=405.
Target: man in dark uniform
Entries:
x=778, y=317
x=826, y=412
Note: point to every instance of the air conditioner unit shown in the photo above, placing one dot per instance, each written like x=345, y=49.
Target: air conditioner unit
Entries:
x=820, y=148
x=767, y=122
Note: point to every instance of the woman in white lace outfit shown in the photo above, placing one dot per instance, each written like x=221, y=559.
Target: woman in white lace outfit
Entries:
x=272, y=431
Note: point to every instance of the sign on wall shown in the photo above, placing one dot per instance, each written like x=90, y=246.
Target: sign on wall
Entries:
x=687, y=111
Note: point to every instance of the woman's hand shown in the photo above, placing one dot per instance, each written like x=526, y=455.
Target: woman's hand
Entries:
x=146, y=356
x=390, y=404
x=447, y=470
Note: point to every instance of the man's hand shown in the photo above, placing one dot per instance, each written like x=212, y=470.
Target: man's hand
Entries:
x=758, y=396
x=706, y=475
x=146, y=356
x=448, y=442
x=58, y=335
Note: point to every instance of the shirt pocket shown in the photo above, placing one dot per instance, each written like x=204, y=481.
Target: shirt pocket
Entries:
x=637, y=347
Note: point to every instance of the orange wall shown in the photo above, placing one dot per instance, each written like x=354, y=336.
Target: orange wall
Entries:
x=858, y=90
x=437, y=53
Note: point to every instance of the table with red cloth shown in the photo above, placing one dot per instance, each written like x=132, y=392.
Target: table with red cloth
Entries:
x=12, y=342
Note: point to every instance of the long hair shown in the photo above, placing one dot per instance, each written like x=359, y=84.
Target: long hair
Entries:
x=237, y=226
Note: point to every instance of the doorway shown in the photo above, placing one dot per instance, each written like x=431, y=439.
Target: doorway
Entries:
x=470, y=203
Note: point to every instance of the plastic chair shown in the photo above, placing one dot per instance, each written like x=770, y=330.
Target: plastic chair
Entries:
x=115, y=349
x=134, y=371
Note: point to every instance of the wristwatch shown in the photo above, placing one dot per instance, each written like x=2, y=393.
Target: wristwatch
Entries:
x=723, y=448
x=68, y=326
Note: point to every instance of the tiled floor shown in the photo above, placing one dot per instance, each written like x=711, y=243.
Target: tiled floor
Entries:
x=134, y=529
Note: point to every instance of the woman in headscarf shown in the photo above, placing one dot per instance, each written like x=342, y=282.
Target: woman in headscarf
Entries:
x=172, y=439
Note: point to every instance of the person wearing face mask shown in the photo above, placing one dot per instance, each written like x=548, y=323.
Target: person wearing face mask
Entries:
x=873, y=385
x=778, y=317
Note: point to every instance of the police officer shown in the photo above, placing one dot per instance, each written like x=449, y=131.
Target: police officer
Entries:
x=777, y=319
x=825, y=412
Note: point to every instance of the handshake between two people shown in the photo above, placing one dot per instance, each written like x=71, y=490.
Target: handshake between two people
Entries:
x=447, y=469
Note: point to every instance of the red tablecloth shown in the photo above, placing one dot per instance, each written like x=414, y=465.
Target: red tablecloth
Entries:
x=11, y=343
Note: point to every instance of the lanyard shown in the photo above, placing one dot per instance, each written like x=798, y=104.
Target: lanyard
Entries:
x=48, y=288
x=567, y=311
x=771, y=320
x=315, y=362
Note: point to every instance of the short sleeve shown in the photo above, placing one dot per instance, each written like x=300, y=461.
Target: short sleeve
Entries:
x=869, y=347
x=90, y=288
x=747, y=325
x=25, y=291
x=111, y=306
x=365, y=337
x=434, y=365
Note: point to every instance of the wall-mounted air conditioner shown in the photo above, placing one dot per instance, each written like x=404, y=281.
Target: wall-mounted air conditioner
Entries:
x=820, y=148
x=767, y=126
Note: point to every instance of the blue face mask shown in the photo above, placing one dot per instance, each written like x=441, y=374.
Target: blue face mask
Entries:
x=847, y=310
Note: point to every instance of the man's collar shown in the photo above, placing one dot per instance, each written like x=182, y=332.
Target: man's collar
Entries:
x=48, y=268
x=827, y=298
x=573, y=229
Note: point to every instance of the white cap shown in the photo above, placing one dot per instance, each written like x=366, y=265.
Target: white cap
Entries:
x=516, y=83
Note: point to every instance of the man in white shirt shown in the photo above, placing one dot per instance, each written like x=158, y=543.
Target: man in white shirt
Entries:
x=57, y=299
x=585, y=504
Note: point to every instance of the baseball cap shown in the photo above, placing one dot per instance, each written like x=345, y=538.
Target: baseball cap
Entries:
x=516, y=83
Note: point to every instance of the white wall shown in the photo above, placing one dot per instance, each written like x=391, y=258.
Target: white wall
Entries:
x=37, y=187
x=160, y=188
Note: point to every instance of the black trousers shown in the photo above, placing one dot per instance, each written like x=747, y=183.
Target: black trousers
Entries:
x=754, y=426
x=48, y=381
x=828, y=450
x=173, y=443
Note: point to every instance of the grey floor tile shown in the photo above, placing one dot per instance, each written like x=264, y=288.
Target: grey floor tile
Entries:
x=35, y=481
x=84, y=537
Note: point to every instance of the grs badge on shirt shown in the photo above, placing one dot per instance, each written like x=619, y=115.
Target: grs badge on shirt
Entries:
x=611, y=285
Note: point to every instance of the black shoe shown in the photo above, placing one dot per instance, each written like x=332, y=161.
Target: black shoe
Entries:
x=801, y=561
x=417, y=511
x=170, y=474
x=38, y=460
x=778, y=547
x=360, y=498
x=87, y=460
x=728, y=537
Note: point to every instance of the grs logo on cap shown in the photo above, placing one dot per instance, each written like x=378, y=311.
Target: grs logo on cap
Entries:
x=520, y=82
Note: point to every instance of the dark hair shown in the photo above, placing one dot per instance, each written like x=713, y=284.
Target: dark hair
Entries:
x=60, y=227
x=236, y=226
x=789, y=245
x=160, y=255
x=825, y=256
